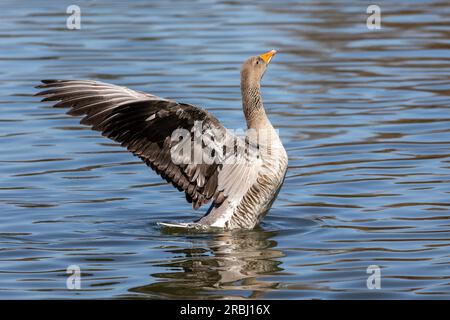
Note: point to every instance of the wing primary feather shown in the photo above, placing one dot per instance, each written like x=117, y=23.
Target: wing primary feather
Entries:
x=143, y=123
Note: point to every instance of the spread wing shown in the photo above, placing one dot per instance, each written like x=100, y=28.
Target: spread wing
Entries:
x=144, y=124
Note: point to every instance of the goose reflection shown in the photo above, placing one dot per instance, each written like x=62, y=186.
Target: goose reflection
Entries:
x=225, y=265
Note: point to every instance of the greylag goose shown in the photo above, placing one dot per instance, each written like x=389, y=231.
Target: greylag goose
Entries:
x=239, y=174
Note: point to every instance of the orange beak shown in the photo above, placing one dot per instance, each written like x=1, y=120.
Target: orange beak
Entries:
x=268, y=56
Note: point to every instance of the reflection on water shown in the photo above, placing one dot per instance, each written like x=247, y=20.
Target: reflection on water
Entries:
x=221, y=263
x=364, y=116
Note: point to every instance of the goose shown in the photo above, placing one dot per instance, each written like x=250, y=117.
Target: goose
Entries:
x=240, y=192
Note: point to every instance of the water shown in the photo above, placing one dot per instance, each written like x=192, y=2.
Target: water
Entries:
x=364, y=116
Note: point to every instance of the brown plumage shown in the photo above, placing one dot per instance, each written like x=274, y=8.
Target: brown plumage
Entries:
x=143, y=123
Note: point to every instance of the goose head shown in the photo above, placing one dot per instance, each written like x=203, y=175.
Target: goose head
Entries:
x=254, y=68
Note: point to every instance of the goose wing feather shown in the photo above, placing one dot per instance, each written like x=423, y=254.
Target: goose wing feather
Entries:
x=144, y=123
